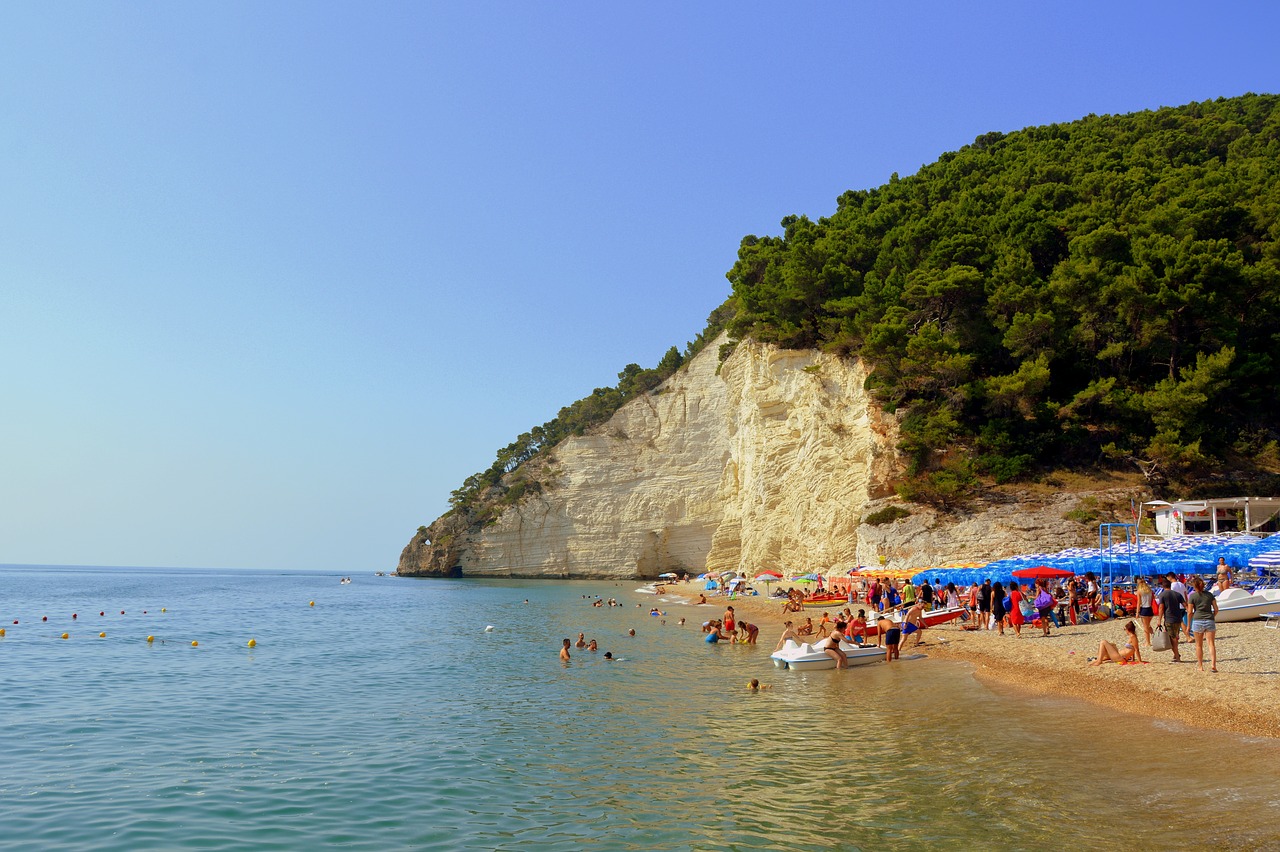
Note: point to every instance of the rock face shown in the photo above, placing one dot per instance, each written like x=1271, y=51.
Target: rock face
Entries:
x=771, y=461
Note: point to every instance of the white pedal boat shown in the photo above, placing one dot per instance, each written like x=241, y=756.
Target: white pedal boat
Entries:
x=1236, y=604
x=803, y=657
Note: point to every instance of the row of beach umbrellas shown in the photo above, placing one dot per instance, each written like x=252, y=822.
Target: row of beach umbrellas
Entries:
x=1181, y=555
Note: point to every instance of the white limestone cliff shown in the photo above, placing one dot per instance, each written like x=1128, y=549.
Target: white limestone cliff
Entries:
x=771, y=461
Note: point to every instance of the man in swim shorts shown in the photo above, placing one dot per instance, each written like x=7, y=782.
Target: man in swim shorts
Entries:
x=913, y=622
x=892, y=636
x=564, y=652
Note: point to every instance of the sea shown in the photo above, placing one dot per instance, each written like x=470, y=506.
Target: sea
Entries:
x=386, y=714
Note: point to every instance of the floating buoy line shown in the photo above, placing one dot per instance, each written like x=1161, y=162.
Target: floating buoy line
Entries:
x=151, y=638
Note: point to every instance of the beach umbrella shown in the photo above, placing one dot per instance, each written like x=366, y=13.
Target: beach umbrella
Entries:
x=1042, y=572
x=1269, y=561
x=777, y=575
x=667, y=576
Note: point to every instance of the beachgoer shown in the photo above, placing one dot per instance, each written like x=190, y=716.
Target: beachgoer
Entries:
x=631, y=632
x=1145, y=610
x=1130, y=651
x=1015, y=608
x=858, y=627
x=680, y=623
x=729, y=620
x=788, y=632
x=1224, y=575
x=608, y=655
x=892, y=636
x=824, y=624
x=1171, y=613
x=1091, y=591
x=908, y=593
x=1181, y=588
x=926, y=594
x=806, y=629
x=953, y=596
x=564, y=652
x=749, y=633
x=984, y=604
x=997, y=605
x=592, y=647
x=1073, y=599
x=1044, y=604
x=582, y=641
x=831, y=646
x=913, y=622
x=1204, y=614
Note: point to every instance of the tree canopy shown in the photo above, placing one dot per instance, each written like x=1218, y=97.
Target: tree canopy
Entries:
x=1076, y=294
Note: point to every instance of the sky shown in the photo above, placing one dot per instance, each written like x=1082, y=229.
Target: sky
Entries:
x=276, y=277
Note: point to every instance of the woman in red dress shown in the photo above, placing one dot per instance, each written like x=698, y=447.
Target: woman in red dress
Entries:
x=1015, y=609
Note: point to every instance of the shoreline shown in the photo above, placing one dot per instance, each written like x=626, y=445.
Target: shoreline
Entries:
x=1239, y=698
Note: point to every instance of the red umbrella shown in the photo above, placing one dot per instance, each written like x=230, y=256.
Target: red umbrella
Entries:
x=1043, y=572
x=770, y=573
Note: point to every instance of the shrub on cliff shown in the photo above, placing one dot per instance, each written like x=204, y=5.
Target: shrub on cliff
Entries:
x=887, y=515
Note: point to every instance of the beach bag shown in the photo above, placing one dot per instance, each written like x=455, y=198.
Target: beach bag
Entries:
x=1044, y=600
x=1160, y=640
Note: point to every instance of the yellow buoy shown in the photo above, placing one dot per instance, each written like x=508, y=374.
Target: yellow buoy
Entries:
x=151, y=638
x=194, y=643
x=253, y=643
x=313, y=603
x=1, y=631
x=163, y=609
x=102, y=636
x=66, y=635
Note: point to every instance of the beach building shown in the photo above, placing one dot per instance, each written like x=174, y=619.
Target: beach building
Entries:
x=1215, y=516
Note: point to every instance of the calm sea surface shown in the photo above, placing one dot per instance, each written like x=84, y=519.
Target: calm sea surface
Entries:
x=384, y=717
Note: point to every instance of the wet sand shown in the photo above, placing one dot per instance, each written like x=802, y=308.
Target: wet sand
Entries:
x=1240, y=697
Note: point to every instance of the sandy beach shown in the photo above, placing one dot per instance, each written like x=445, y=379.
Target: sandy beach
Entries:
x=1240, y=697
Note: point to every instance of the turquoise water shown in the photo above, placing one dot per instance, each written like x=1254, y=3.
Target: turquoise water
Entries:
x=384, y=717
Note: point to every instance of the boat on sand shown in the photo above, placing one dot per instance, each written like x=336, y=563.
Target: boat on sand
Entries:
x=1237, y=604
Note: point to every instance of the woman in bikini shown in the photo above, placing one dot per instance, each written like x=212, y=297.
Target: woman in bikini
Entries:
x=831, y=646
x=1129, y=652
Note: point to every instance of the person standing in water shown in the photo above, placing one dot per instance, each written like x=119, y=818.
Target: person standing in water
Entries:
x=564, y=652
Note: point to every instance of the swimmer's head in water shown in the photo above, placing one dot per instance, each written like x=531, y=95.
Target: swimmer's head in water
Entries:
x=608, y=655
x=631, y=633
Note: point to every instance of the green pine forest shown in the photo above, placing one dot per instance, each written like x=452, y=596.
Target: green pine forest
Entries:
x=1091, y=295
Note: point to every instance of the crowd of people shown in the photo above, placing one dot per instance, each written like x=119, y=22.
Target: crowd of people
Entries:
x=1169, y=615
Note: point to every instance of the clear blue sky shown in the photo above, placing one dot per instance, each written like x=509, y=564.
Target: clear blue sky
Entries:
x=276, y=277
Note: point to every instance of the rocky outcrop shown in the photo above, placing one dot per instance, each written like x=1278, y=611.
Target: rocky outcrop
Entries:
x=769, y=460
